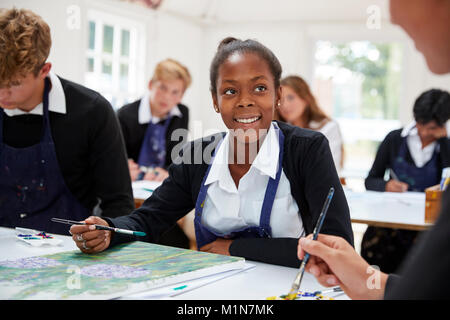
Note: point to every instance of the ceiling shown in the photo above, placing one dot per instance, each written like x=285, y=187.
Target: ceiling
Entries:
x=229, y=11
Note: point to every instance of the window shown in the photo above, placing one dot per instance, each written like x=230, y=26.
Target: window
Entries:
x=112, y=59
x=359, y=84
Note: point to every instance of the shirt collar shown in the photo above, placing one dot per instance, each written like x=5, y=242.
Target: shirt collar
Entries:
x=56, y=100
x=411, y=129
x=263, y=162
x=145, y=113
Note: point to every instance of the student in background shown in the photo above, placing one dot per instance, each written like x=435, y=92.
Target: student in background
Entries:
x=416, y=154
x=61, y=150
x=424, y=273
x=265, y=185
x=147, y=126
x=148, y=123
x=299, y=108
x=415, y=157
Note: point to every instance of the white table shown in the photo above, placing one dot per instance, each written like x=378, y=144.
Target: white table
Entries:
x=258, y=283
x=387, y=209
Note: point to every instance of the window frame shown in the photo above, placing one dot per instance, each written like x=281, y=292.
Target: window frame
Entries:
x=117, y=95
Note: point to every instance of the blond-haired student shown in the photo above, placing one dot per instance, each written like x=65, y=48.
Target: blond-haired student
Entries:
x=61, y=150
x=148, y=123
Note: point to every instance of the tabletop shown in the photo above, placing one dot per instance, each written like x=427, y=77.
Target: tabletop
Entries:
x=257, y=283
x=388, y=209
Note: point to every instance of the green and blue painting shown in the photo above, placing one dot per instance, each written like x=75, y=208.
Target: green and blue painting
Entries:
x=116, y=272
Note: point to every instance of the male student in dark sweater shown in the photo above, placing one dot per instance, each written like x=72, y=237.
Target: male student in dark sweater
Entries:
x=148, y=123
x=416, y=154
x=61, y=150
x=424, y=273
x=415, y=157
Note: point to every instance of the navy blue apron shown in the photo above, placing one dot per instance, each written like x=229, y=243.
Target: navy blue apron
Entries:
x=387, y=247
x=32, y=188
x=418, y=179
x=204, y=235
x=153, y=149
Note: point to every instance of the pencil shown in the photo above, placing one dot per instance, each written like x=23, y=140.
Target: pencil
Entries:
x=298, y=279
x=99, y=227
x=393, y=175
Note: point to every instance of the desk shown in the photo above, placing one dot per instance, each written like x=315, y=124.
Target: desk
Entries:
x=263, y=281
x=142, y=190
x=389, y=210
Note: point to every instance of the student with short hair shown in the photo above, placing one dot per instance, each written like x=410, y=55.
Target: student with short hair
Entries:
x=256, y=188
x=61, y=150
x=148, y=126
x=416, y=154
x=415, y=157
x=148, y=123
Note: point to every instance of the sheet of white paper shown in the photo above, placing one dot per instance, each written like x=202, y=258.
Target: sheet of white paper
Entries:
x=143, y=189
x=180, y=288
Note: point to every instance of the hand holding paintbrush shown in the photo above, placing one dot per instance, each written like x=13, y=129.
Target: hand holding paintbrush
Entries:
x=296, y=285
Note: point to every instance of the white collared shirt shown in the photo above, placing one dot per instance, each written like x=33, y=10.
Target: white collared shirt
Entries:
x=56, y=100
x=145, y=113
x=420, y=156
x=228, y=208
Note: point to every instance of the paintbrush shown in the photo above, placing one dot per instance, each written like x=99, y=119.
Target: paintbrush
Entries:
x=100, y=227
x=296, y=285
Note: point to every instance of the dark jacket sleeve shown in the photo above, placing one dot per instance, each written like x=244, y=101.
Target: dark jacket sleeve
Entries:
x=108, y=163
x=125, y=131
x=444, y=151
x=392, y=280
x=375, y=180
x=317, y=174
x=168, y=203
x=424, y=272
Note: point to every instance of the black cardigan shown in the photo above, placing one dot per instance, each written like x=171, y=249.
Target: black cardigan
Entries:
x=424, y=273
x=387, y=153
x=134, y=132
x=309, y=167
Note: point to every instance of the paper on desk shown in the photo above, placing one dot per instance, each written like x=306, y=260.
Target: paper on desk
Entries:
x=375, y=196
x=180, y=288
x=143, y=189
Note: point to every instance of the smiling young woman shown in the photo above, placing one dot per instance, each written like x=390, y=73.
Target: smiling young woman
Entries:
x=257, y=205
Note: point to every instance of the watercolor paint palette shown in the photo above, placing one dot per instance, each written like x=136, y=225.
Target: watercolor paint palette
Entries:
x=38, y=239
x=303, y=295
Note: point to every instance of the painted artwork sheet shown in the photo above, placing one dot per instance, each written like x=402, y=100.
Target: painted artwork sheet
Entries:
x=122, y=270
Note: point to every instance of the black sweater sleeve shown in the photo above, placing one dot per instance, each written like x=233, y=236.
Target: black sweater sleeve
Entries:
x=444, y=151
x=375, y=180
x=168, y=203
x=108, y=163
